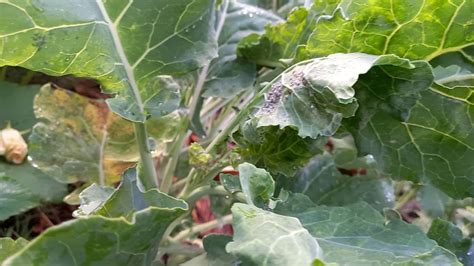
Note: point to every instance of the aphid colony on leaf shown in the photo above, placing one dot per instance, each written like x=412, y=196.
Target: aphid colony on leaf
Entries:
x=12, y=145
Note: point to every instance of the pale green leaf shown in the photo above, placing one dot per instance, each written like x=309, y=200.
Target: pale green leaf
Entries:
x=265, y=238
x=79, y=139
x=111, y=239
x=450, y=237
x=322, y=182
x=357, y=235
x=22, y=186
x=433, y=201
x=313, y=96
x=257, y=184
x=92, y=199
x=9, y=247
x=124, y=45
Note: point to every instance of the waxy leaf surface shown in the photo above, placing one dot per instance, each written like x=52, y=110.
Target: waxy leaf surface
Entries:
x=131, y=234
x=359, y=232
x=22, y=187
x=265, y=238
x=122, y=44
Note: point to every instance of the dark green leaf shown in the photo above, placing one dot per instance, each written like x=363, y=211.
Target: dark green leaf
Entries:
x=314, y=96
x=450, y=237
x=111, y=239
x=283, y=40
x=279, y=151
x=435, y=142
x=215, y=255
x=123, y=45
x=257, y=184
x=411, y=29
x=322, y=182
x=231, y=182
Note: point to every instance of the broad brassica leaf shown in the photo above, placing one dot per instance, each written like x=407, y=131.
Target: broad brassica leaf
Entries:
x=427, y=142
x=412, y=29
x=264, y=238
x=282, y=41
x=79, y=139
x=22, y=187
x=324, y=184
x=359, y=232
x=314, y=96
x=435, y=142
x=227, y=74
x=450, y=237
x=128, y=229
x=124, y=45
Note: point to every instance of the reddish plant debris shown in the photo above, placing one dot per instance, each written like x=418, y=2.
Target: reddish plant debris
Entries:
x=202, y=213
x=409, y=211
x=32, y=223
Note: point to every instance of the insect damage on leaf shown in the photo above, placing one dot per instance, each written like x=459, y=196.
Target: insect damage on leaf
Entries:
x=12, y=145
x=272, y=98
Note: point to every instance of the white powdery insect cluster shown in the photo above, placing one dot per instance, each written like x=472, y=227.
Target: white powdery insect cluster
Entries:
x=12, y=145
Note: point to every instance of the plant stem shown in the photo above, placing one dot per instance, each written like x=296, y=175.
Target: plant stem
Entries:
x=210, y=190
x=172, y=162
x=150, y=180
x=176, y=148
x=201, y=228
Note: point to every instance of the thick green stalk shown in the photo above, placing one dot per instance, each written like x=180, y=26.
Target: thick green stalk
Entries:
x=149, y=180
x=171, y=164
x=176, y=148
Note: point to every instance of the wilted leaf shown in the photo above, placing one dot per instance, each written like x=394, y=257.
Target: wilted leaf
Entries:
x=265, y=238
x=22, y=186
x=435, y=142
x=315, y=95
x=80, y=139
x=151, y=38
x=357, y=234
